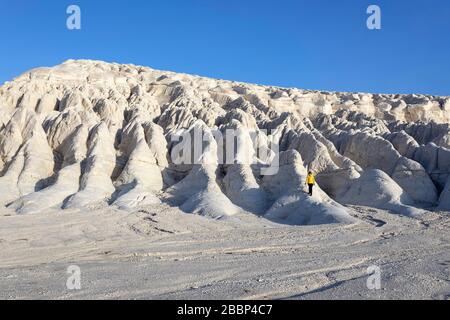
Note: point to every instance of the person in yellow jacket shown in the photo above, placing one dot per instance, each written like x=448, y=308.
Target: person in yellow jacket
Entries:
x=310, y=181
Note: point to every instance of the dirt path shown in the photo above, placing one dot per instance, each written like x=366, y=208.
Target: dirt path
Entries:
x=160, y=253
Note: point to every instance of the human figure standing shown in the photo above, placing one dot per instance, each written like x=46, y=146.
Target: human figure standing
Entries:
x=310, y=181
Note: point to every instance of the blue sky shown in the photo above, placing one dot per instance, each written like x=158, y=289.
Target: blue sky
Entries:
x=321, y=44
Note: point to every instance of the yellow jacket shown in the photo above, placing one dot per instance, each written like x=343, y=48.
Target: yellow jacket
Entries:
x=310, y=179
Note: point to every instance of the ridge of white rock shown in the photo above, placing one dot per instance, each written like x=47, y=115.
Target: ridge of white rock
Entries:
x=141, y=177
x=96, y=185
x=199, y=193
x=67, y=179
x=89, y=133
x=292, y=203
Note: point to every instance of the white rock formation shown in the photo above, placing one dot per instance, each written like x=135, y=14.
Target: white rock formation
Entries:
x=95, y=184
x=89, y=133
x=67, y=179
x=376, y=189
x=141, y=177
x=291, y=202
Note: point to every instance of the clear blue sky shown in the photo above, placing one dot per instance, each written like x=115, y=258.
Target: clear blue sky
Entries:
x=321, y=44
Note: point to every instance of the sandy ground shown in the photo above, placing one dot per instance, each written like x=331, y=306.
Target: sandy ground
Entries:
x=161, y=253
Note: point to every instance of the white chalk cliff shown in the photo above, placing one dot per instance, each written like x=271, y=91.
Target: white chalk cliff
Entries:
x=88, y=133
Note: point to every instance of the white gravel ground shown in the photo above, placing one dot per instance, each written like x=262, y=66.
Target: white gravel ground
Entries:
x=161, y=253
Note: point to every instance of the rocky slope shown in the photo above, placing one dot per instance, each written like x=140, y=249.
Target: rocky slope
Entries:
x=86, y=134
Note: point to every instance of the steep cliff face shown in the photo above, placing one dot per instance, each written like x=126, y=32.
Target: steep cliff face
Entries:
x=88, y=133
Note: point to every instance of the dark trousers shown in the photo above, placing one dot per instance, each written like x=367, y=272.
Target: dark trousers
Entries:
x=310, y=189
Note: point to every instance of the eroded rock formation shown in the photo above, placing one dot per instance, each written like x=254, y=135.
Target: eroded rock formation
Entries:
x=87, y=133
